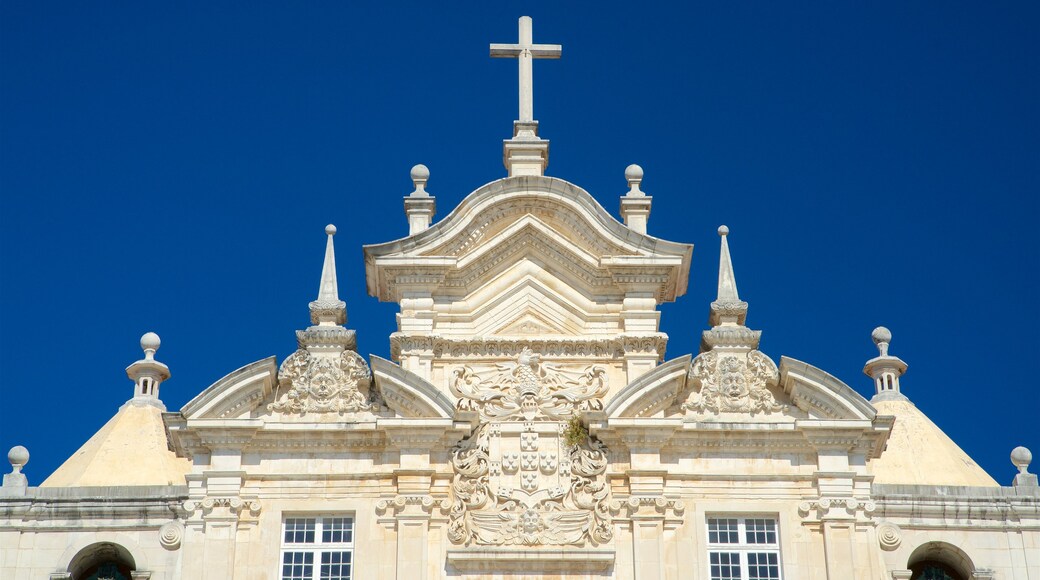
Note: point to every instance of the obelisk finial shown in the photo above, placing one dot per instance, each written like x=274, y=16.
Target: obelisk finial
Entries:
x=727, y=308
x=328, y=309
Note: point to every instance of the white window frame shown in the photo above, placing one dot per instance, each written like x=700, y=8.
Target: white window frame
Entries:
x=317, y=547
x=742, y=546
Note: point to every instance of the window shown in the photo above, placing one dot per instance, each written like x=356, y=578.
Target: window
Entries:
x=743, y=549
x=317, y=548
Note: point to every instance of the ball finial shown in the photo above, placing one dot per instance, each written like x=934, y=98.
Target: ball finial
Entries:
x=634, y=173
x=150, y=341
x=330, y=230
x=881, y=334
x=18, y=456
x=723, y=230
x=420, y=173
x=1020, y=457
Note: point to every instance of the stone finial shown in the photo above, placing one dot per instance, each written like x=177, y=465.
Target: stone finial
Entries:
x=727, y=309
x=19, y=456
x=728, y=312
x=635, y=204
x=882, y=337
x=420, y=175
x=148, y=373
x=1021, y=458
x=885, y=369
x=328, y=309
x=15, y=483
x=634, y=176
x=419, y=206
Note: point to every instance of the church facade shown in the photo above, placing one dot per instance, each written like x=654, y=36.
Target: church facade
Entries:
x=527, y=426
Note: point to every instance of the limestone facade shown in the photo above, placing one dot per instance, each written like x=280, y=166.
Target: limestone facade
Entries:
x=527, y=426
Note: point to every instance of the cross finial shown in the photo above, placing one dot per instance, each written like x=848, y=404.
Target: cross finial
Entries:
x=524, y=51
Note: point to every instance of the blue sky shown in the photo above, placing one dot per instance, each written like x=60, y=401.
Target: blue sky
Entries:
x=171, y=167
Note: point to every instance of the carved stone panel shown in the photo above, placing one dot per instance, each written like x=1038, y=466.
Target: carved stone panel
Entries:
x=734, y=383
x=517, y=480
x=322, y=383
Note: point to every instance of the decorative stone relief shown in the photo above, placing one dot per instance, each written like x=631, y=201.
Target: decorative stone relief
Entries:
x=234, y=505
x=323, y=384
x=516, y=480
x=170, y=535
x=495, y=346
x=734, y=383
x=670, y=510
x=889, y=536
x=399, y=504
x=825, y=507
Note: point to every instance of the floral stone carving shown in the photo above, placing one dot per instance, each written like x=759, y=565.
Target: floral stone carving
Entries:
x=319, y=383
x=516, y=480
x=734, y=383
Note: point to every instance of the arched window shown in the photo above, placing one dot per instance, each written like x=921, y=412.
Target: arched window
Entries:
x=939, y=561
x=107, y=571
x=102, y=561
x=933, y=570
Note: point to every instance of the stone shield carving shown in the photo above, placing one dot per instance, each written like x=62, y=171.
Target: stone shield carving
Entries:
x=516, y=480
x=323, y=383
x=734, y=383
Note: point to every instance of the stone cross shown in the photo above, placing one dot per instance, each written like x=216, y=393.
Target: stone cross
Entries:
x=524, y=51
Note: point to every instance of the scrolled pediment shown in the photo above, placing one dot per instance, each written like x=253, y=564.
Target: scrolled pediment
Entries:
x=408, y=394
x=820, y=394
x=652, y=392
x=237, y=394
x=559, y=217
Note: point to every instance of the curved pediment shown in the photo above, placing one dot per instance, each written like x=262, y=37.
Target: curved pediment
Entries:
x=652, y=392
x=236, y=394
x=820, y=394
x=408, y=394
x=495, y=222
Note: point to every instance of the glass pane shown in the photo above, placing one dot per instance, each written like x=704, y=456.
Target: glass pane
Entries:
x=297, y=565
x=763, y=566
x=299, y=530
x=723, y=531
x=725, y=565
x=760, y=531
x=933, y=572
x=337, y=530
x=335, y=566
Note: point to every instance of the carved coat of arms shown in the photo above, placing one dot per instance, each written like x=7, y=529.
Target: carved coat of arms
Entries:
x=516, y=480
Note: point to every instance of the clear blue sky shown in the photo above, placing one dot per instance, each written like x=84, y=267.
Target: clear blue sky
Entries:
x=171, y=166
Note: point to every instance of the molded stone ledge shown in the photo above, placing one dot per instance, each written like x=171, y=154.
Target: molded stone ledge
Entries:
x=563, y=559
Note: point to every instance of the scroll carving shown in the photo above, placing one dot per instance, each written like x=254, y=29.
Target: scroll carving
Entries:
x=323, y=384
x=734, y=383
x=516, y=480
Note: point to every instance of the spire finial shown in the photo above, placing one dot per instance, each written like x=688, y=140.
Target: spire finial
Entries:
x=420, y=206
x=148, y=373
x=727, y=309
x=328, y=309
x=885, y=369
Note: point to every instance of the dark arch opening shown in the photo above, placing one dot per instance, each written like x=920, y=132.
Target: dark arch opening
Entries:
x=102, y=561
x=939, y=561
